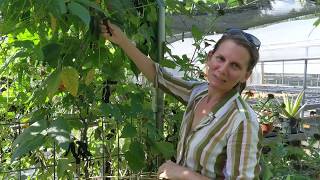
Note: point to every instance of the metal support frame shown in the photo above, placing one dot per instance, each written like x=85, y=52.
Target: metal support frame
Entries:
x=305, y=80
x=157, y=93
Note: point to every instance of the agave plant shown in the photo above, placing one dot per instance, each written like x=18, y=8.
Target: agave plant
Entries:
x=292, y=107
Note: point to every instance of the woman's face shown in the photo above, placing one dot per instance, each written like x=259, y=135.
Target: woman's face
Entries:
x=227, y=66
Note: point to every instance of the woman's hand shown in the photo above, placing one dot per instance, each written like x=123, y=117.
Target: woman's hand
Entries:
x=113, y=33
x=171, y=170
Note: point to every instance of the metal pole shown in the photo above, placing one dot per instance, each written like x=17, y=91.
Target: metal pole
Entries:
x=304, y=85
x=305, y=80
x=262, y=72
x=103, y=169
x=118, y=151
x=282, y=77
x=54, y=160
x=158, y=94
x=19, y=174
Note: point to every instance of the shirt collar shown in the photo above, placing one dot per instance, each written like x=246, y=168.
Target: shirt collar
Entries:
x=226, y=98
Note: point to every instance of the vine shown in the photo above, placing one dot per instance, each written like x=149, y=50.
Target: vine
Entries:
x=73, y=103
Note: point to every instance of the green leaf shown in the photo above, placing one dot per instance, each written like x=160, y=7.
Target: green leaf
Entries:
x=297, y=103
x=196, y=33
x=38, y=115
x=80, y=11
x=89, y=77
x=292, y=106
x=10, y=59
x=70, y=80
x=165, y=148
x=136, y=103
x=27, y=146
x=53, y=82
x=168, y=63
x=297, y=177
x=60, y=131
x=51, y=53
x=64, y=166
x=128, y=131
x=134, y=69
x=135, y=156
x=152, y=15
x=317, y=22
x=29, y=134
x=27, y=44
x=90, y=4
x=61, y=5
x=113, y=110
x=38, y=96
x=119, y=5
x=287, y=103
x=266, y=172
x=72, y=120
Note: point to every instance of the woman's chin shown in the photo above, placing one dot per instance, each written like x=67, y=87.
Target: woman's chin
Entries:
x=214, y=85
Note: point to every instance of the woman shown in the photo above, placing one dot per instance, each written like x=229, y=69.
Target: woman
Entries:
x=219, y=134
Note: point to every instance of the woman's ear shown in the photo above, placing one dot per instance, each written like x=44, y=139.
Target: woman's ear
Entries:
x=211, y=52
x=248, y=74
x=205, y=70
x=206, y=66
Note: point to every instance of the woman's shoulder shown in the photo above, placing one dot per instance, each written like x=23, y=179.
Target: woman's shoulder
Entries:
x=199, y=88
x=245, y=112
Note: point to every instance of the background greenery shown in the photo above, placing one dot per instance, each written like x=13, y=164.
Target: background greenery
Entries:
x=72, y=104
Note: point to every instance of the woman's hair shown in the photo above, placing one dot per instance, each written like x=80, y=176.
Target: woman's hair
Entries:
x=249, y=46
x=253, y=51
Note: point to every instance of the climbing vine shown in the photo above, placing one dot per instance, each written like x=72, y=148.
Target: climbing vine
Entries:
x=72, y=104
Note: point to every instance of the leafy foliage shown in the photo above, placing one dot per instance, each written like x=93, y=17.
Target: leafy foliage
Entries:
x=268, y=109
x=67, y=96
x=56, y=73
x=282, y=161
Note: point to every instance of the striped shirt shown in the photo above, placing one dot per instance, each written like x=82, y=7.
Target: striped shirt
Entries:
x=225, y=144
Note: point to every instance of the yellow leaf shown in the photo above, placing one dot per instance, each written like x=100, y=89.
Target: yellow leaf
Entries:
x=89, y=77
x=70, y=80
x=53, y=21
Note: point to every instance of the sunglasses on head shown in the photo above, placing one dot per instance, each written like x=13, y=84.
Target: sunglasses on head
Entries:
x=248, y=37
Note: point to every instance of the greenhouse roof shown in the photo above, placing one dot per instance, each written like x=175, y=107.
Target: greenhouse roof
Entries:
x=285, y=40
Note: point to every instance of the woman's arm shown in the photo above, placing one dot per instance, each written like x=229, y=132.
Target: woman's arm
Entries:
x=173, y=171
x=243, y=152
x=144, y=63
x=160, y=78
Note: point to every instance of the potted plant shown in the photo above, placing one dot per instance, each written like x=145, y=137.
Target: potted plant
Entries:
x=267, y=111
x=290, y=110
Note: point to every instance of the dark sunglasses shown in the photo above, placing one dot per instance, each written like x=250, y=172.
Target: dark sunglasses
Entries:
x=248, y=37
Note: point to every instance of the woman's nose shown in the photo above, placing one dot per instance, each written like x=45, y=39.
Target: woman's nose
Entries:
x=223, y=67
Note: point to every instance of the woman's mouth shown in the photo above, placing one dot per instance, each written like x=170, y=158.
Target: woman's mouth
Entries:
x=218, y=79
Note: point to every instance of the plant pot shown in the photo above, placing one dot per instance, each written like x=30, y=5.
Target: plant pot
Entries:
x=294, y=125
x=290, y=126
x=266, y=128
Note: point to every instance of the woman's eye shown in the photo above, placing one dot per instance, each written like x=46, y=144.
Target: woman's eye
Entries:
x=235, y=66
x=219, y=58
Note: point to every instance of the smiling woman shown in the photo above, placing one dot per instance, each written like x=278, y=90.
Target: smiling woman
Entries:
x=219, y=134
